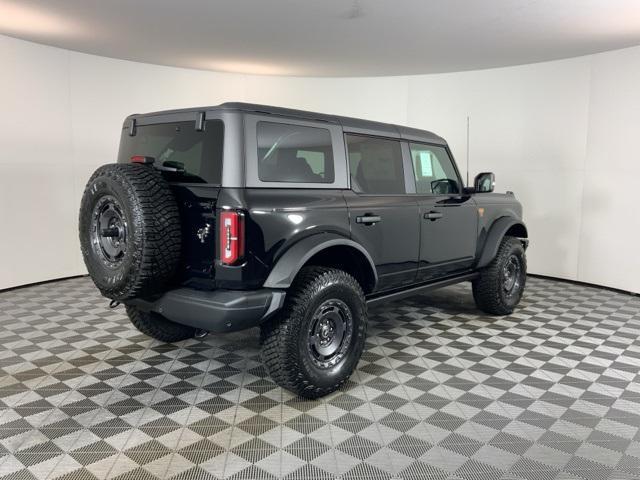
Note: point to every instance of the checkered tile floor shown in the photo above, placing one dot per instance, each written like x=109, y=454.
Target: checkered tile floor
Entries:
x=442, y=391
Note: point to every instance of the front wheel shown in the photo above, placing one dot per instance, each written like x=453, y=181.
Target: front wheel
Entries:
x=500, y=285
x=313, y=346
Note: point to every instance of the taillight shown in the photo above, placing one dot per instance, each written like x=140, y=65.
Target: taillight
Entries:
x=231, y=237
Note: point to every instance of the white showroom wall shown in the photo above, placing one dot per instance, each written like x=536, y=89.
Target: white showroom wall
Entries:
x=559, y=134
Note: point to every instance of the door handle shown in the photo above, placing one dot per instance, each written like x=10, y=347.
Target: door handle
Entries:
x=432, y=215
x=368, y=219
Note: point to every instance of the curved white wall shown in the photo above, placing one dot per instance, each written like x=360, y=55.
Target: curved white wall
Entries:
x=561, y=135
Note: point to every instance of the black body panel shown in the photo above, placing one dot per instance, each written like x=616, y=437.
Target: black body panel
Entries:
x=491, y=208
x=393, y=240
x=448, y=234
x=276, y=219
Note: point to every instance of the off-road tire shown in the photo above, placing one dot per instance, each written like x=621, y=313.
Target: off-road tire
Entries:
x=153, y=235
x=284, y=338
x=158, y=327
x=488, y=289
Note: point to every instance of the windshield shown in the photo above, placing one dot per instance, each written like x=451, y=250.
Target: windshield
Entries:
x=189, y=155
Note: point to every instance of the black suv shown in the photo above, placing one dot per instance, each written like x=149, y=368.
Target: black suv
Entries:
x=218, y=219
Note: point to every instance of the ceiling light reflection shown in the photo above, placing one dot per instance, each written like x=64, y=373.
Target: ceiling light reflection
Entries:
x=253, y=68
x=16, y=18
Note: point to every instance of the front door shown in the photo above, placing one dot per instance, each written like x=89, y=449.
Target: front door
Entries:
x=449, y=218
x=383, y=218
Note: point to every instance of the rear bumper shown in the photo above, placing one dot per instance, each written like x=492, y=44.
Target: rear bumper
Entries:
x=218, y=310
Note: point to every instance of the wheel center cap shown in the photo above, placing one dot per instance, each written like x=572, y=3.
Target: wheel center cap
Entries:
x=326, y=332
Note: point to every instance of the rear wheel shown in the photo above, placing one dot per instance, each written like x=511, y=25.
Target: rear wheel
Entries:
x=313, y=346
x=158, y=327
x=501, y=284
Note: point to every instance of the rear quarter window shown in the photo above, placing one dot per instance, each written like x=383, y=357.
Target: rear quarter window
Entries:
x=294, y=153
x=195, y=155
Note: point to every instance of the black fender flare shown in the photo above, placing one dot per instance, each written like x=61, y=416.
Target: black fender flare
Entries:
x=494, y=237
x=290, y=263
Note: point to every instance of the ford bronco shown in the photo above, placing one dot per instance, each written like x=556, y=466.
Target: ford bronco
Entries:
x=219, y=219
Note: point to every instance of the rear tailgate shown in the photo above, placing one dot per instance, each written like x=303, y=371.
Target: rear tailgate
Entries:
x=190, y=159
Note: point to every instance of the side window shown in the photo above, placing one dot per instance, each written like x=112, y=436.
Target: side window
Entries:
x=294, y=153
x=376, y=165
x=434, y=170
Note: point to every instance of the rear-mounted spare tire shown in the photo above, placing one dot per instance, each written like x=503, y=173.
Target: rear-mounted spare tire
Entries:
x=129, y=231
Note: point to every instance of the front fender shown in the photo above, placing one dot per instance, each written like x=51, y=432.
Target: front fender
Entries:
x=289, y=264
x=494, y=237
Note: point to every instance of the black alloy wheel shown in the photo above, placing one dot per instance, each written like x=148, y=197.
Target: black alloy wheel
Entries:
x=330, y=333
x=109, y=231
x=512, y=275
x=500, y=285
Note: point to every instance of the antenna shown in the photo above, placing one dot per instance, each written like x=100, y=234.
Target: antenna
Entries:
x=467, y=150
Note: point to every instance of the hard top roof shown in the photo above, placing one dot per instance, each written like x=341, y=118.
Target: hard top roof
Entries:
x=349, y=124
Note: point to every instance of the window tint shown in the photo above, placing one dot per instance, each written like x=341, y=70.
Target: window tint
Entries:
x=375, y=165
x=294, y=153
x=434, y=170
x=196, y=156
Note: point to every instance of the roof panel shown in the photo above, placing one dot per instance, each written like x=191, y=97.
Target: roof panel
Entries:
x=349, y=124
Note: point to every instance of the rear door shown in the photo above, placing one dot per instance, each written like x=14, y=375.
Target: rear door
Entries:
x=384, y=219
x=448, y=218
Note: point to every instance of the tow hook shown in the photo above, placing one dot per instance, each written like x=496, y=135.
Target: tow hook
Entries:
x=113, y=303
x=201, y=333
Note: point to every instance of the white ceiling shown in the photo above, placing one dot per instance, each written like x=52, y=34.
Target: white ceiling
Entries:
x=328, y=37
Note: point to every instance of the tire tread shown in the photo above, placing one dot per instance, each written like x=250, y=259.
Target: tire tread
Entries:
x=279, y=335
x=486, y=288
x=155, y=210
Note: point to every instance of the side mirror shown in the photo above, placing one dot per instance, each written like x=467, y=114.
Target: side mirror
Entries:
x=484, y=182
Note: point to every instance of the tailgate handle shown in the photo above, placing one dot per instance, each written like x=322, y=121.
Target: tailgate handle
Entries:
x=368, y=219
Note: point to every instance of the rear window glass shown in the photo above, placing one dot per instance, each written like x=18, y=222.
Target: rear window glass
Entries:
x=294, y=153
x=195, y=156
